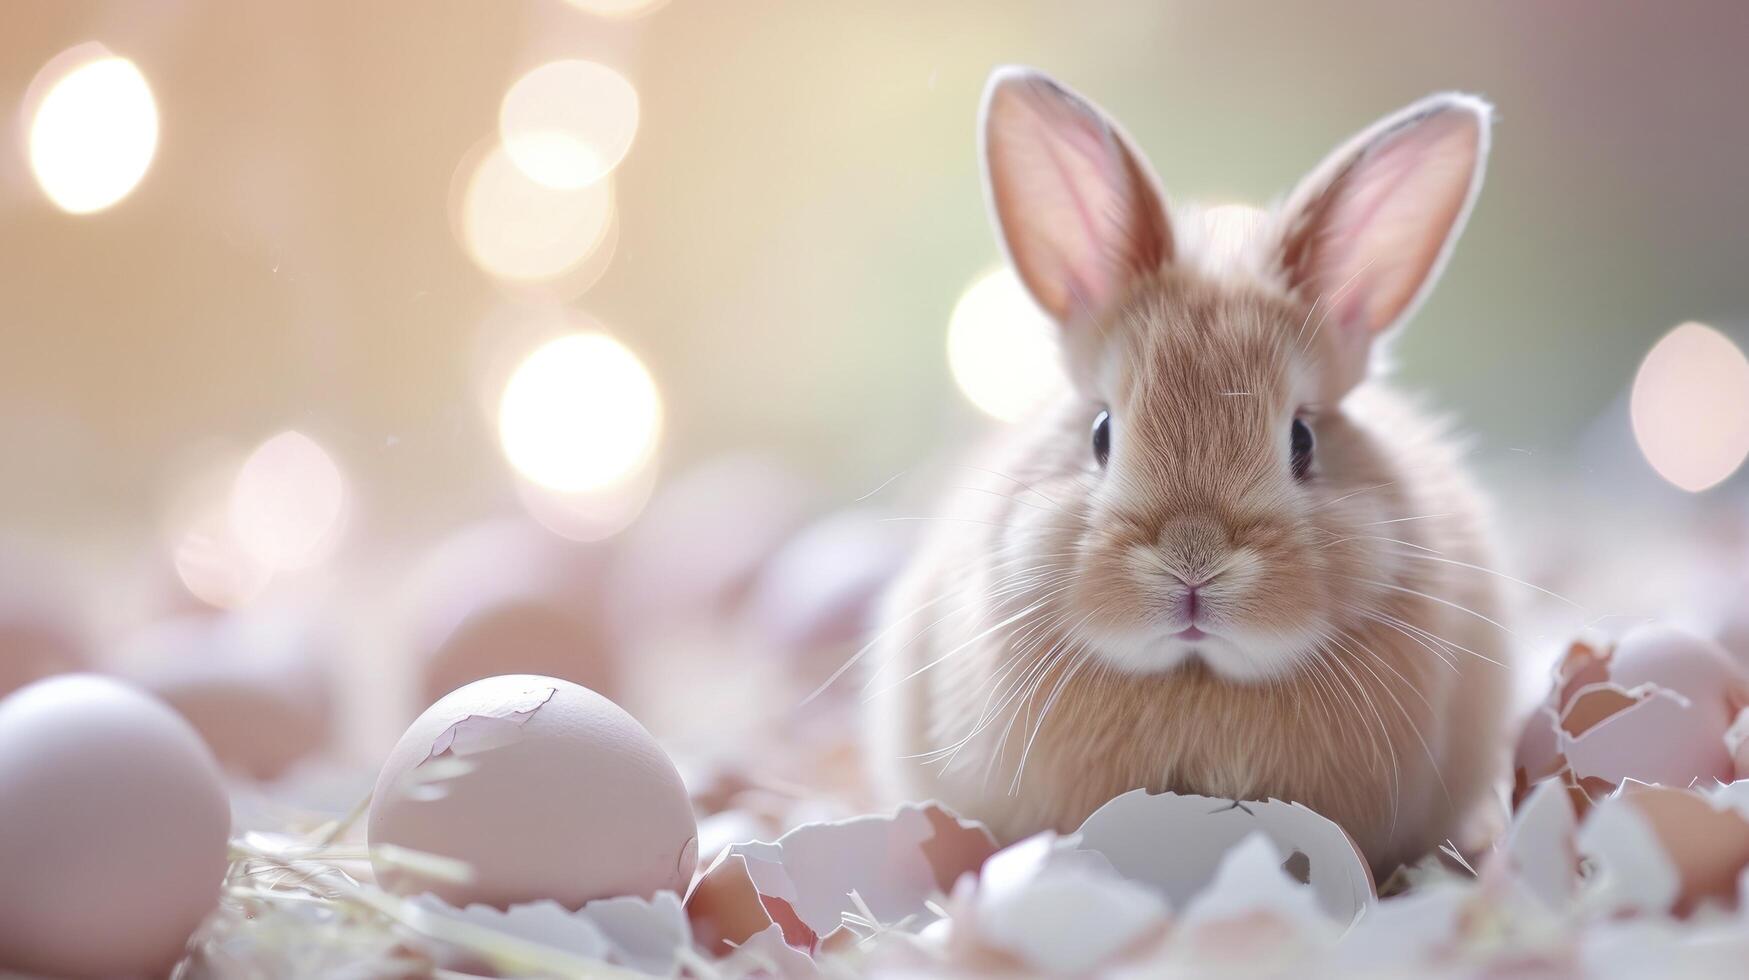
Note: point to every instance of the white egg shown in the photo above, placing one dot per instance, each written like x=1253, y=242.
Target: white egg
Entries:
x=115, y=825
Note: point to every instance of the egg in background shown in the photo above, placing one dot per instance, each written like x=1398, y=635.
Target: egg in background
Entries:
x=693, y=555
x=504, y=596
x=40, y=630
x=258, y=687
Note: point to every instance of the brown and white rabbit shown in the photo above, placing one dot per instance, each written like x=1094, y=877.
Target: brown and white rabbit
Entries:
x=1229, y=561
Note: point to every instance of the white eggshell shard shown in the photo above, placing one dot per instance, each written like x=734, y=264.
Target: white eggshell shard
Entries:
x=1176, y=844
x=1632, y=871
x=647, y=935
x=1058, y=910
x=894, y=864
x=1252, y=886
x=1540, y=849
x=113, y=828
x=543, y=789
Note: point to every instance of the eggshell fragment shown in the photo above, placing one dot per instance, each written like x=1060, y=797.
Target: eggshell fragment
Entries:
x=1538, y=754
x=803, y=881
x=1696, y=668
x=113, y=827
x=1176, y=842
x=1052, y=909
x=1649, y=734
x=543, y=789
x=1539, y=849
x=257, y=688
x=1256, y=912
x=1661, y=849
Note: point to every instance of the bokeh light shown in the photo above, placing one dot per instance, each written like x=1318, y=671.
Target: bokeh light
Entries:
x=523, y=231
x=1002, y=348
x=213, y=564
x=567, y=124
x=579, y=414
x=1690, y=407
x=287, y=502
x=590, y=515
x=94, y=133
x=618, y=9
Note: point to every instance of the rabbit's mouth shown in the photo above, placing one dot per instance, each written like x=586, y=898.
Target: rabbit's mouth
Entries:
x=1190, y=634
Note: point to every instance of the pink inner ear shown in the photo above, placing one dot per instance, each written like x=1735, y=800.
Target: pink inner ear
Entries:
x=1389, y=216
x=1077, y=209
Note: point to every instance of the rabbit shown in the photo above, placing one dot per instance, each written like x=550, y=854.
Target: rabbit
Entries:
x=1229, y=560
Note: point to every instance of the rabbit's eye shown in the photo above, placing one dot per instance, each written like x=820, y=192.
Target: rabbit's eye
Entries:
x=1300, y=448
x=1102, y=437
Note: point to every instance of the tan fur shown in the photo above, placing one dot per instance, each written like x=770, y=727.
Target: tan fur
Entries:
x=1015, y=682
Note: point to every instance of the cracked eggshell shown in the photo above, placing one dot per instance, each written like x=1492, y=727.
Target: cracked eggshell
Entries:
x=1649, y=734
x=1661, y=849
x=1538, y=753
x=803, y=881
x=113, y=829
x=257, y=688
x=543, y=788
x=1176, y=843
x=1698, y=669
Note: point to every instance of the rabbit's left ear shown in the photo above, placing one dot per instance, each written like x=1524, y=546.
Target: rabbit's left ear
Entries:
x=1368, y=232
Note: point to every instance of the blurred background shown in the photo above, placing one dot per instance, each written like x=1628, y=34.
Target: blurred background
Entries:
x=375, y=321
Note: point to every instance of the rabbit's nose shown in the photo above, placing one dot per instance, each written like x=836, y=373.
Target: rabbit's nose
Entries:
x=1195, y=546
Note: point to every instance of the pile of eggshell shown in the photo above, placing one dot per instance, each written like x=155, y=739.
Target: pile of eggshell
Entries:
x=526, y=824
x=238, y=703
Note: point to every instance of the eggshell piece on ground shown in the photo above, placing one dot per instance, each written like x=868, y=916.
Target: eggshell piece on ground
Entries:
x=543, y=789
x=113, y=829
x=803, y=881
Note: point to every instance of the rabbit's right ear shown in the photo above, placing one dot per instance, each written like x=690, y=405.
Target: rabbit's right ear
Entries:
x=1079, y=212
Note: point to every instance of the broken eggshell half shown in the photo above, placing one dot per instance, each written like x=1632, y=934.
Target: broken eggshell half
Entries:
x=540, y=789
x=1655, y=708
x=1176, y=843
